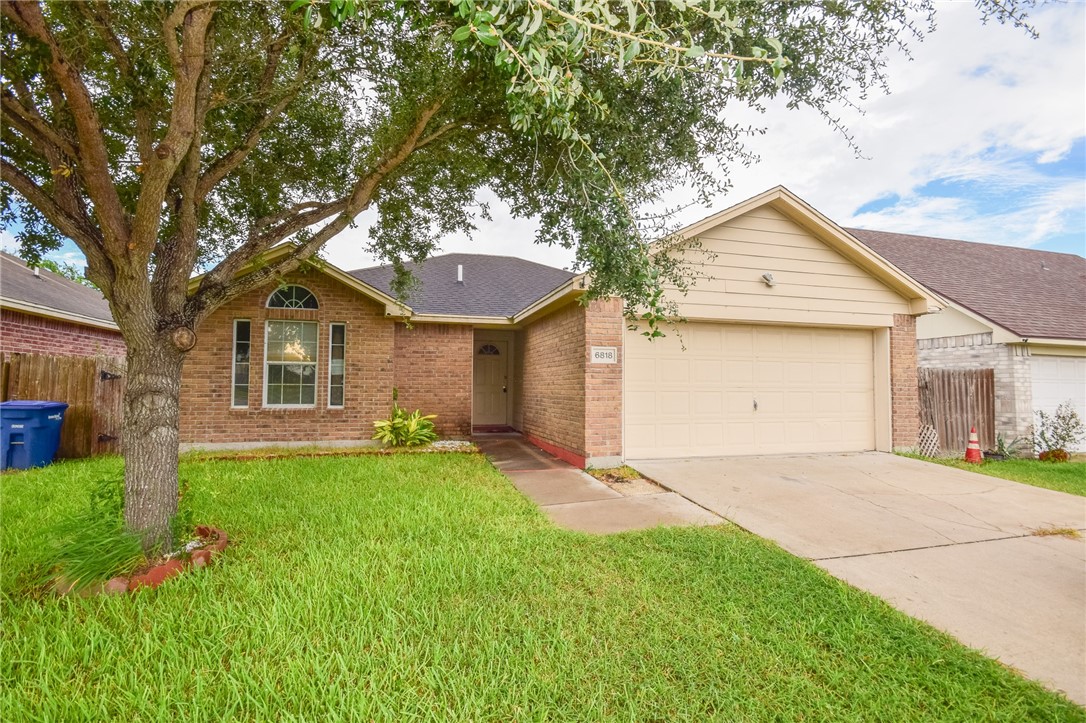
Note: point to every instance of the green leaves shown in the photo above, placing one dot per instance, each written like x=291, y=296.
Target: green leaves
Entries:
x=405, y=430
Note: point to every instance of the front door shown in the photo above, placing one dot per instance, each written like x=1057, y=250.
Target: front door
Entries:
x=491, y=383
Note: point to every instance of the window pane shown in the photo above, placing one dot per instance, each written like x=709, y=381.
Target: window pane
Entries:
x=292, y=394
x=338, y=333
x=309, y=395
x=239, y=396
x=275, y=394
x=275, y=374
x=291, y=374
x=335, y=397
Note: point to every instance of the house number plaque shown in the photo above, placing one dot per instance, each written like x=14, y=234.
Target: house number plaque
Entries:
x=604, y=355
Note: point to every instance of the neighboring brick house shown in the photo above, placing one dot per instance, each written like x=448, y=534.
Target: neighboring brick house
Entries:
x=44, y=313
x=1020, y=312
x=797, y=338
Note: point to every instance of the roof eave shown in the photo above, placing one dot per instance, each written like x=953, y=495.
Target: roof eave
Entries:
x=393, y=307
x=571, y=289
x=50, y=312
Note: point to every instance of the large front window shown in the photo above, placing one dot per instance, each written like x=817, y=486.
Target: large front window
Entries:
x=290, y=367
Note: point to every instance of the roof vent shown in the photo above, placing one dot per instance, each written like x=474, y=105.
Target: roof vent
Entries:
x=460, y=273
x=37, y=271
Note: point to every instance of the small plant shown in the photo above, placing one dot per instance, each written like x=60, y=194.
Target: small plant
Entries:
x=405, y=430
x=1055, y=433
x=1008, y=450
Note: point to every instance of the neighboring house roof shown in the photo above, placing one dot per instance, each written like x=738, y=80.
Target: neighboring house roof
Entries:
x=493, y=286
x=49, y=294
x=1033, y=294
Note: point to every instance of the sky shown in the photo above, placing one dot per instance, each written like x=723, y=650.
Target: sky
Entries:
x=982, y=138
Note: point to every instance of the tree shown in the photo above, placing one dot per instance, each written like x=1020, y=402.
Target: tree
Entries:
x=165, y=138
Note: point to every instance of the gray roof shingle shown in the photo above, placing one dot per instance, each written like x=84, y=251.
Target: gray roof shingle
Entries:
x=493, y=285
x=49, y=290
x=1035, y=294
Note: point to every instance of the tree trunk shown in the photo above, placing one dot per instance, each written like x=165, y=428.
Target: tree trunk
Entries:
x=151, y=417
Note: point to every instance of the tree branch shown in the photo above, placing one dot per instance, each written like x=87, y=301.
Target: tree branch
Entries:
x=189, y=58
x=219, y=285
x=221, y=168
x=98, y=14
x=175, y=258
x=79, y=230
x=94, y=158
x=36, y=130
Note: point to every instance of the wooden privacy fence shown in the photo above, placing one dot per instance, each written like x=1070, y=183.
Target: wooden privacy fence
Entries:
x=953, y=400
x=92, y=387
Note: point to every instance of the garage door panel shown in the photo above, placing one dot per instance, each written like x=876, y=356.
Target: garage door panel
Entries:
x=813, y=387
x=673, y=403
x=737, y=373
x=708, y=435
x=673, y=371
x=639, y=372
x=708, y=371
x=708, y=404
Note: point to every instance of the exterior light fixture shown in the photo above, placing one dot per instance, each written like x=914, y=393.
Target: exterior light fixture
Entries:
x=768, y=279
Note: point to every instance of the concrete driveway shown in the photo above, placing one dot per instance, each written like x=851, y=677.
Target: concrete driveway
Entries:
x=957, y=549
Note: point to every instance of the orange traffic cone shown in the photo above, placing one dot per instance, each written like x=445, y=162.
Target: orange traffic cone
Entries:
x=972, y=451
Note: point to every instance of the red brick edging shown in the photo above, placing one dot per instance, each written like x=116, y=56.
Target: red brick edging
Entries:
x=560, y=452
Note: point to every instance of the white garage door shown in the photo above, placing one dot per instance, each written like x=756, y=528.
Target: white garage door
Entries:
x=739, y=390
x=1057, y=379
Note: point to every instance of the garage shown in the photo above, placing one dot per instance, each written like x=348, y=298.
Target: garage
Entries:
x=1058, y=379
x=718, y=389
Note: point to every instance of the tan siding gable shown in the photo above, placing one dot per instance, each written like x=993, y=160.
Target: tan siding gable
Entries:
x=814, y=284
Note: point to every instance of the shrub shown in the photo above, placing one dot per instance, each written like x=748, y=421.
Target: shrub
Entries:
x=405, y=430
x=1060, y=430
x=1054, y=455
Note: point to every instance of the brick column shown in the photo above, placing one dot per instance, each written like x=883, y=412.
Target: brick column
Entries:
x=904, y=387
x=604, y=326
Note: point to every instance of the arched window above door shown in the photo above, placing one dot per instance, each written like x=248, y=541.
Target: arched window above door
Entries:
x=489, y=350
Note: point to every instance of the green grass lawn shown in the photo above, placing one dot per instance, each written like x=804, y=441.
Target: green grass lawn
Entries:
x=1067, y=477
x=424, y=587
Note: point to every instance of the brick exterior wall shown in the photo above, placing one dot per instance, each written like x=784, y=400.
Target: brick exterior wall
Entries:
x=563, y=400
x=433, y=372
x=604, y=326
x=1013, y=382
x=904, y=386
x=26, y=333
x=206, y=414
x=551, y=372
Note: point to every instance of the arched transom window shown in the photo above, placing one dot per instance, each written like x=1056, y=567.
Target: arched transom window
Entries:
x=292, y=297
x=489, y=350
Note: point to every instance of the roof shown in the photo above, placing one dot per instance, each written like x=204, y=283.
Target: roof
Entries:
x=1033, y=294
x=494, y=286
x=49, y=294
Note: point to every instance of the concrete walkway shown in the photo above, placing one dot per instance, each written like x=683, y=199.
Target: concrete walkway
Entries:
x=579, y=501
x=965, y=552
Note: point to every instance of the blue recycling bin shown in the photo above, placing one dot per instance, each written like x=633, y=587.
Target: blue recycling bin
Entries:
x=29, y=433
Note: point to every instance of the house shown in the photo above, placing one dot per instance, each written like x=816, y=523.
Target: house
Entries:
x=797, y=339
x=45, y=313
x=1020, y=312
